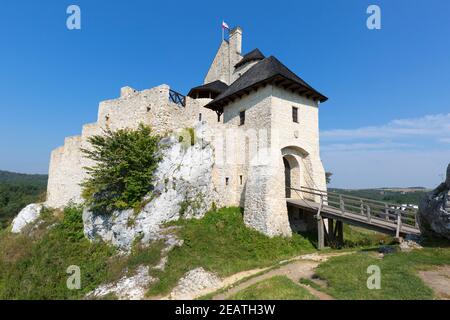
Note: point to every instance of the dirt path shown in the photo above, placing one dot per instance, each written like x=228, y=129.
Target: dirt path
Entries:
x=438, y=279
x=294, y=269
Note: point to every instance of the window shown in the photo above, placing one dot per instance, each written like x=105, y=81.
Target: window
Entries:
x=242, y=118
x=295, y=114
x=240, y=178
x=227, y=181
x=199, y=117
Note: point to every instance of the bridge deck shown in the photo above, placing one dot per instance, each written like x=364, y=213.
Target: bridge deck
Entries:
x=351, y=218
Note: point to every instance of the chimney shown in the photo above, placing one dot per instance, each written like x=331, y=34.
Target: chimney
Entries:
x=236, y=40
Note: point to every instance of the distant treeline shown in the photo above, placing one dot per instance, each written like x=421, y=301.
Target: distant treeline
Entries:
x=18, y=190
x=392, y=196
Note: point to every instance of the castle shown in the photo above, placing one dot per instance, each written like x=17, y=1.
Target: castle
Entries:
x=251, y=101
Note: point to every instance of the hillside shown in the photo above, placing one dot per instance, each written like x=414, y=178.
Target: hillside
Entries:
x=16, y=191
x=392, y=195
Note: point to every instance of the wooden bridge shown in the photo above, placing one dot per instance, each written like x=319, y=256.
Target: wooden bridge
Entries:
x=392, y=219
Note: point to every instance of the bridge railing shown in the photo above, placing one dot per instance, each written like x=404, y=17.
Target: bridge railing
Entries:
x=394, y=213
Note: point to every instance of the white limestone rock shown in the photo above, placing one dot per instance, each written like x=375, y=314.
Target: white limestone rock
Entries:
x=409, y=245
x=183, y=188
x=194, y=283
x=127, y=288
x=27, y=215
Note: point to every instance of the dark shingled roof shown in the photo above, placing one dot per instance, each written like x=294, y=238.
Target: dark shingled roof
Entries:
x=253, y=55
x=215, y=88
x=268, y=71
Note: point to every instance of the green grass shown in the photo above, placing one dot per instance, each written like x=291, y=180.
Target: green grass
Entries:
x=34, y=267
x=347, y=275
x=275, y=288
x=359, y=237
x=221, y=243
x=311, y=283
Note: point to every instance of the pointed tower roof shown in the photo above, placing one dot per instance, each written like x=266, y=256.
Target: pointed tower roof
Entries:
x=267, y=71
x=253, y=55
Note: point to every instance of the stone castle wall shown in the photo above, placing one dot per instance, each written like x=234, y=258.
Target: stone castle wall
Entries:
x=151, y=107
x=243, y=175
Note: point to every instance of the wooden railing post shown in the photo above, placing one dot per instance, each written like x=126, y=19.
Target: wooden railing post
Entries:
x=386, y=210
x=342, y=205
x=369, y=216
x=399, y=225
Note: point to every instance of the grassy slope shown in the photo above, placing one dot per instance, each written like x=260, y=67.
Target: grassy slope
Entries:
x=18, y=190
x=221, y=243
x=35, y=267
x=275, y=288
x=347, y=275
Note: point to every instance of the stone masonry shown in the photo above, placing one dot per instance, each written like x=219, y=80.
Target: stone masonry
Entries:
x=248, y=168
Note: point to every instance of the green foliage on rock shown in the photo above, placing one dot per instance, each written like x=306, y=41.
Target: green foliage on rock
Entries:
x=125, y=161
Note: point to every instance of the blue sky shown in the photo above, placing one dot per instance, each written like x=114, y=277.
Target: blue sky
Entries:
x=387, y=122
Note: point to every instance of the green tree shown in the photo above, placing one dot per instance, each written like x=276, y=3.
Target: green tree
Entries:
x=328, y=176
x=125, y=162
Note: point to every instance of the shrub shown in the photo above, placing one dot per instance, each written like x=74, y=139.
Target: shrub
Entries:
x=125, y=161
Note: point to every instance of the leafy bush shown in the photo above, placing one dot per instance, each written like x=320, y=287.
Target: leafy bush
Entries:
x=125, y=161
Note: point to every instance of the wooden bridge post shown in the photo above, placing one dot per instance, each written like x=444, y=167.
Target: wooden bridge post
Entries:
x=399, y=225
x=320, y=227
x=340, y=232
x=342, y=205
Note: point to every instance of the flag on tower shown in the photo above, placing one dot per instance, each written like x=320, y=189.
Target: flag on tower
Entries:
x=225, y=25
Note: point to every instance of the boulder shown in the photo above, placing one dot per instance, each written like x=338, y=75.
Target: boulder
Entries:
x=434, y=211
x=127, y=288
x=27, y=215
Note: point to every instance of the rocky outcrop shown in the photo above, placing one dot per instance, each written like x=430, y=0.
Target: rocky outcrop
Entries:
x=194, y=283
x=184, y=189
x=127, y=288
x=27, y=215
x=434, y=211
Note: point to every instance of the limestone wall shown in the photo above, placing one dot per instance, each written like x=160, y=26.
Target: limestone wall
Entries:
x=238, y=142
x=302, y=136
x=151, y=107
x=220, y=67
x=64, y=174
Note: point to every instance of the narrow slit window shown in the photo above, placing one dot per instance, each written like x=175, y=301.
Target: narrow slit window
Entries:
x=199, y=117
x=295, y=114
x=240, y=179
x=241, y=118
x=227, y=181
